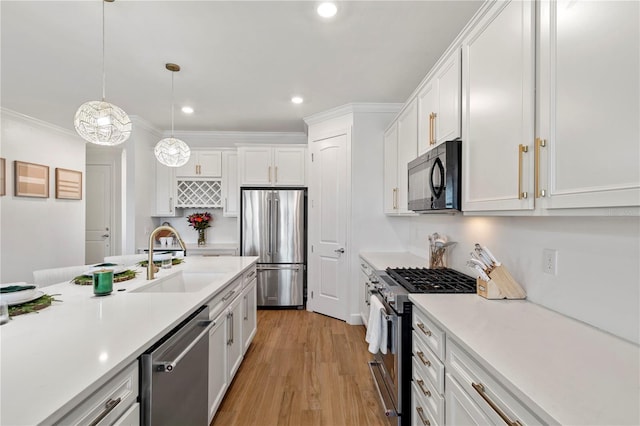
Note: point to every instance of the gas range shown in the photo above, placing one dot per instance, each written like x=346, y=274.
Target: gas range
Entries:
x=395, y=284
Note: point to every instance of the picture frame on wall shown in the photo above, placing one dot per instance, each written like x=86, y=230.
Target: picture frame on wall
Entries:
x=3, y=178
x=68, y=184
x=31, y=180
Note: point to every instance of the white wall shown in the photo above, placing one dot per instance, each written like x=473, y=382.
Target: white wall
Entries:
x=222, y=230
x=39, y=233
x=598, y=279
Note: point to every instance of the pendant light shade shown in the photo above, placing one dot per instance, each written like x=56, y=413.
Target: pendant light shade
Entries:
x=171, y=151
x=101, y=122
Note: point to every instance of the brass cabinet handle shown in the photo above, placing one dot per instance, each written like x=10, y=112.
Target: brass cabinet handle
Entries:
x=431, y=129
x=424, y=329
x=521, y=150
x=540, y=143
x=424, y=360
x=424, y=421
x=425, y=391
x=479, y=387
x=434, y=127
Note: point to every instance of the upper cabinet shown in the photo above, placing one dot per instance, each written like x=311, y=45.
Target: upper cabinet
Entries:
x=439, y=104
x=498, y=109
x=272, y=165
x=588, y=104
x=164, y=202
x=230, y=187
x=400, y=147
x=202, y=164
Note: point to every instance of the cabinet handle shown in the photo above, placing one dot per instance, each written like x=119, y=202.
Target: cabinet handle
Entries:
x=170, y=203
x=230, y=328
x=480, y=389
x=246, y=308
x=433, y=128
x=540, y=143
x=424, y=421
x=228, y=295
x=424, y=360
x=276, y=174
x=425, y=391
x=269, y=174
x=395, y=198
x=521, y=150
x=430, y=128
x=108, y=407
x=424, y=329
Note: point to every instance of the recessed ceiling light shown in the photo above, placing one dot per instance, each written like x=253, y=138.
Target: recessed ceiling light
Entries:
x=297, y=100
x=187, y=110
x=327, y=9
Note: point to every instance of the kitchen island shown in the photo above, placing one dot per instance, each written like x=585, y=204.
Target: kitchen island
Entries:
x=52, y=360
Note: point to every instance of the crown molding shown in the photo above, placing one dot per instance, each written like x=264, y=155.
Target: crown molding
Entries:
x=144, y=124
x=38, y=122
x=221, y=138
x=353, y=108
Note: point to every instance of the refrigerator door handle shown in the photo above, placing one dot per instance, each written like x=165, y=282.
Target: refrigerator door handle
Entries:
x=295, y=267
x=270, y=242
x=276, y=203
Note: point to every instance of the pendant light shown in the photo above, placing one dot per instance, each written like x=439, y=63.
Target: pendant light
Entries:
x=101, y=122
x=171, y=151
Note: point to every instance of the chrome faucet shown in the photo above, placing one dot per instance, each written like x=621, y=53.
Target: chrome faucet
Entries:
x=152, y=238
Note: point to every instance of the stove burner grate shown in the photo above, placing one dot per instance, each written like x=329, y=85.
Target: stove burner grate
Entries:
x=423, y=280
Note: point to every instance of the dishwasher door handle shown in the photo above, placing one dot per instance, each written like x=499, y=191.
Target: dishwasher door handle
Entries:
x=168, y=366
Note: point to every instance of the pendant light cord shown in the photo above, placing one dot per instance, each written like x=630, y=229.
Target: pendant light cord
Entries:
x=172, y=73
x=104, y=78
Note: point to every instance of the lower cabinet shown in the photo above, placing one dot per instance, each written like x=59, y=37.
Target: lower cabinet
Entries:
x=249, y=311
x=460, y=409
x=113, y=404
x=234, y=313
x=235, y=349
x=218, y=374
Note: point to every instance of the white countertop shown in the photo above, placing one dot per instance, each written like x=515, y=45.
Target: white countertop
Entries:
x=51, y=360
x=191, y=247
x=575, y=373
x=398, y=259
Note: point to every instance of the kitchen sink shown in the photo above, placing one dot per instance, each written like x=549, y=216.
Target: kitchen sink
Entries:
x=181, y=282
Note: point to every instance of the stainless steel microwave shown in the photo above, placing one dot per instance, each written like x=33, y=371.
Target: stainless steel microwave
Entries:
x=435, y=179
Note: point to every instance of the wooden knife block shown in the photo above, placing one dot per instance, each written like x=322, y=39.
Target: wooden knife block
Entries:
x=500, y=286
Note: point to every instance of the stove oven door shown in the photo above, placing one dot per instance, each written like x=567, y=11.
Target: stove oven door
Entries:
x=385, y=367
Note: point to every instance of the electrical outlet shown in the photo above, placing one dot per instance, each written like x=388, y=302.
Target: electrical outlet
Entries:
x=550, y=261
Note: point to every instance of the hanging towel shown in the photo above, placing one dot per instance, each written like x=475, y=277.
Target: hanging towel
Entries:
x=376, y=327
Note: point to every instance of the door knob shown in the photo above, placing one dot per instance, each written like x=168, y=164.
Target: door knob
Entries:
x=340, y=250
x=105, y=236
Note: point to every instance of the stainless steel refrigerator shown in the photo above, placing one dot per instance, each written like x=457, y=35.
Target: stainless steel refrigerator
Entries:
x=273, y=227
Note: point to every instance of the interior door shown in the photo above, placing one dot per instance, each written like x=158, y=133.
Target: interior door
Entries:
x=328, y=267
x=98, y=213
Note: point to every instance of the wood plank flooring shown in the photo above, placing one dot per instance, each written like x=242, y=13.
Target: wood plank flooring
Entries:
x=303, y=369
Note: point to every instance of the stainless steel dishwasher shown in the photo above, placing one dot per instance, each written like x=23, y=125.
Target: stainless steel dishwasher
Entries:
x=174, y=375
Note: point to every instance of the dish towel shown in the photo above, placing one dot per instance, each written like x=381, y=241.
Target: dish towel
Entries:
x=376, y=327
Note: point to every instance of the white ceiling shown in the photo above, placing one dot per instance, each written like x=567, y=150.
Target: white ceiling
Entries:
x=241, y=61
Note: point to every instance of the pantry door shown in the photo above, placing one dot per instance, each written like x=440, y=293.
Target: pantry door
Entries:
x=328, y=213
x=99, y=205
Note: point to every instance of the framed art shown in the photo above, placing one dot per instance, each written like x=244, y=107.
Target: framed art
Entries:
x=68, y=184
x=3, y=179
x=31, y=180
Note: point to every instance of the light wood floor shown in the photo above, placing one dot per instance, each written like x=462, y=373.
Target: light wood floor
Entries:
x=303, y=369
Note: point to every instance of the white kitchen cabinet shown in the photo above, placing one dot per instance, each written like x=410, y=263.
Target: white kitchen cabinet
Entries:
x=165, y=193
x=498, y=109
x=235, y=350
x=230, y=187
x=485, y=390
x=272, y=165
x=202, y=164
x=110, y=403
x=366, y=271
x=403, y=134
x=249, y=312
x=131, y=417
x=588, y=104
x=439, y=106
x=218, y=371
x=460, y=408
